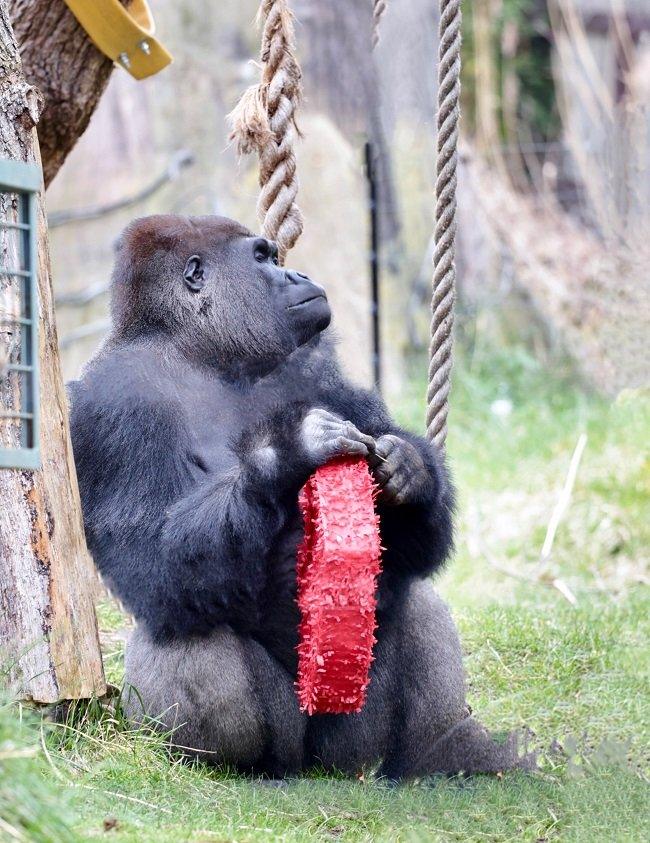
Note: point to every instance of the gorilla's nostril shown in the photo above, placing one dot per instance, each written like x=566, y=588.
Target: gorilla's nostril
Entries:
x=294, y=277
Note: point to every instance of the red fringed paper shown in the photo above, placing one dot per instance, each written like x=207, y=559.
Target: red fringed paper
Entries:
x=337, y=568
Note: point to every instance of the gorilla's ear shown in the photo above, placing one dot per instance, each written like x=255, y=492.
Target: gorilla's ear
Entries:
x=193, y=274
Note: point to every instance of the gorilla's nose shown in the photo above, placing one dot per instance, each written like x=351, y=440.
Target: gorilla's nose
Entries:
x=297, y=277
x=303, y=280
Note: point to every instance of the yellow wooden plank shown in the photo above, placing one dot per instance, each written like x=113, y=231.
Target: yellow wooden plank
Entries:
x=125, y=35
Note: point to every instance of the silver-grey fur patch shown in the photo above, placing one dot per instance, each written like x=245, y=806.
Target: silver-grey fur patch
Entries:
x=201, y=689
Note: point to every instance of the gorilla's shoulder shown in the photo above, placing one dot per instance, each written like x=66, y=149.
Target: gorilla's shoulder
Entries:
x=121, y=375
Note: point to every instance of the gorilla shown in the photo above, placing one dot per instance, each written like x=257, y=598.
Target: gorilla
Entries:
x=215, y=396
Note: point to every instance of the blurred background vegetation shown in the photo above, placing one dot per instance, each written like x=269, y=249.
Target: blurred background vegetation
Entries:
x=550, y=409
x=554, y=186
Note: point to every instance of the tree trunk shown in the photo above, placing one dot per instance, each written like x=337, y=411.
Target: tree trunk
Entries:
x=49, y=648
x=60, y=60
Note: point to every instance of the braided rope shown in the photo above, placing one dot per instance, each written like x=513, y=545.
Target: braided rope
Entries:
x=444, y=276
x=378, y=10
x=264, y=121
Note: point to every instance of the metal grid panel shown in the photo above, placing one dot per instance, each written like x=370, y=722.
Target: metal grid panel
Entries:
x=19, y=376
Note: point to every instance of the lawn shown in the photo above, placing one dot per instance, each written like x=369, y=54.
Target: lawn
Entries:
x=559, y=644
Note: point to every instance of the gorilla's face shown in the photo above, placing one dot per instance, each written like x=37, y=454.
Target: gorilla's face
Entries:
x=249, y=297
x=297, y=300
x=216, y=287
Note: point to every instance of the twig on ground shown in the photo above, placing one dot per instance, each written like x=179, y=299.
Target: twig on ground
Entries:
x=123, y=796
x=564, y=499
x=10, y=754
x=56, y=771
x=540, y=579
x=564, y=590
x=71, y=783
x=10, y=830
x=497, y=656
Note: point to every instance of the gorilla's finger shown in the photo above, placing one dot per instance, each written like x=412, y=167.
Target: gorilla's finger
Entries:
x=400, y=490
x=348, y=431
x=388, y=492
x=350, y=446
x=353, y=432
x=386, y=445
x=374, y=458
x=391, y=464
x=384, y=452
x=396, y=490
x=325, y=415
x=397, y=480
x=374, y=462
x=336, y=425
x=380, y=450
x=383, y=473
x=380, y=479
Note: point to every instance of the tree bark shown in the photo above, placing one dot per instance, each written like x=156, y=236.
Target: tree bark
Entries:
x=61, y=61
x=49, y=647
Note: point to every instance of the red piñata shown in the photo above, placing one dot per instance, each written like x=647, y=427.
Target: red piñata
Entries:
x=338, y=564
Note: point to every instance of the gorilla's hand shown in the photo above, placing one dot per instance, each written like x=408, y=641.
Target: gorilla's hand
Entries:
x=325, y=435
x=399, y=469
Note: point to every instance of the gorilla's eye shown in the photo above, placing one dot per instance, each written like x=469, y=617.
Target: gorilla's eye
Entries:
x=265, y=250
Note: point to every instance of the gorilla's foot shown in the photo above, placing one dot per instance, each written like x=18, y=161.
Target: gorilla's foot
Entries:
x=467, y=748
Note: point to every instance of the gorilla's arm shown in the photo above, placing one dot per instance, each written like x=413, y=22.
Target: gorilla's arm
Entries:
x=183, y=549
x=417, y=531
x=417, y=528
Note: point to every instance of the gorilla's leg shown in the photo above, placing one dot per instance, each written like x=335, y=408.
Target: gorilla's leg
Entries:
x=416, y=690
x=433, y=731
x=415, y=717
x=349, y=742
x=222, y=696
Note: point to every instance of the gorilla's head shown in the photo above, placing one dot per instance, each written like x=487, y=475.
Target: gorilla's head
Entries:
x=215, y=287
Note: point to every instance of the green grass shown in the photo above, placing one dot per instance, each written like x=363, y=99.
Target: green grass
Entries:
x=577, y=675
x=31, y=808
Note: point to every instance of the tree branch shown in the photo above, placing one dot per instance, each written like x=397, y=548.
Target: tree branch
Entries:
x=179, y=161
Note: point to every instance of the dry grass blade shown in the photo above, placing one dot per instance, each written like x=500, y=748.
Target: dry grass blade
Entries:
x=564, y=499
x=564, y=590
x=125, y=797
x=11, y=832
x=10, y=754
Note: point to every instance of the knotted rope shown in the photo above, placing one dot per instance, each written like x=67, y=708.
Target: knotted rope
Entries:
x=444, y=277
x=264, y=121
x=378, y=9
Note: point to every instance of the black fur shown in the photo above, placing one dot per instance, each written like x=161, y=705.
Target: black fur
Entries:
x=194, y=429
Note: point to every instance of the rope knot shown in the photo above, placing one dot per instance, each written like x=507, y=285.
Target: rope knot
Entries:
x=264, y=122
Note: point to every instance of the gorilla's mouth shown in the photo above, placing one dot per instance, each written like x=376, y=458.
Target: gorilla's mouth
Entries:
x=307, y=301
